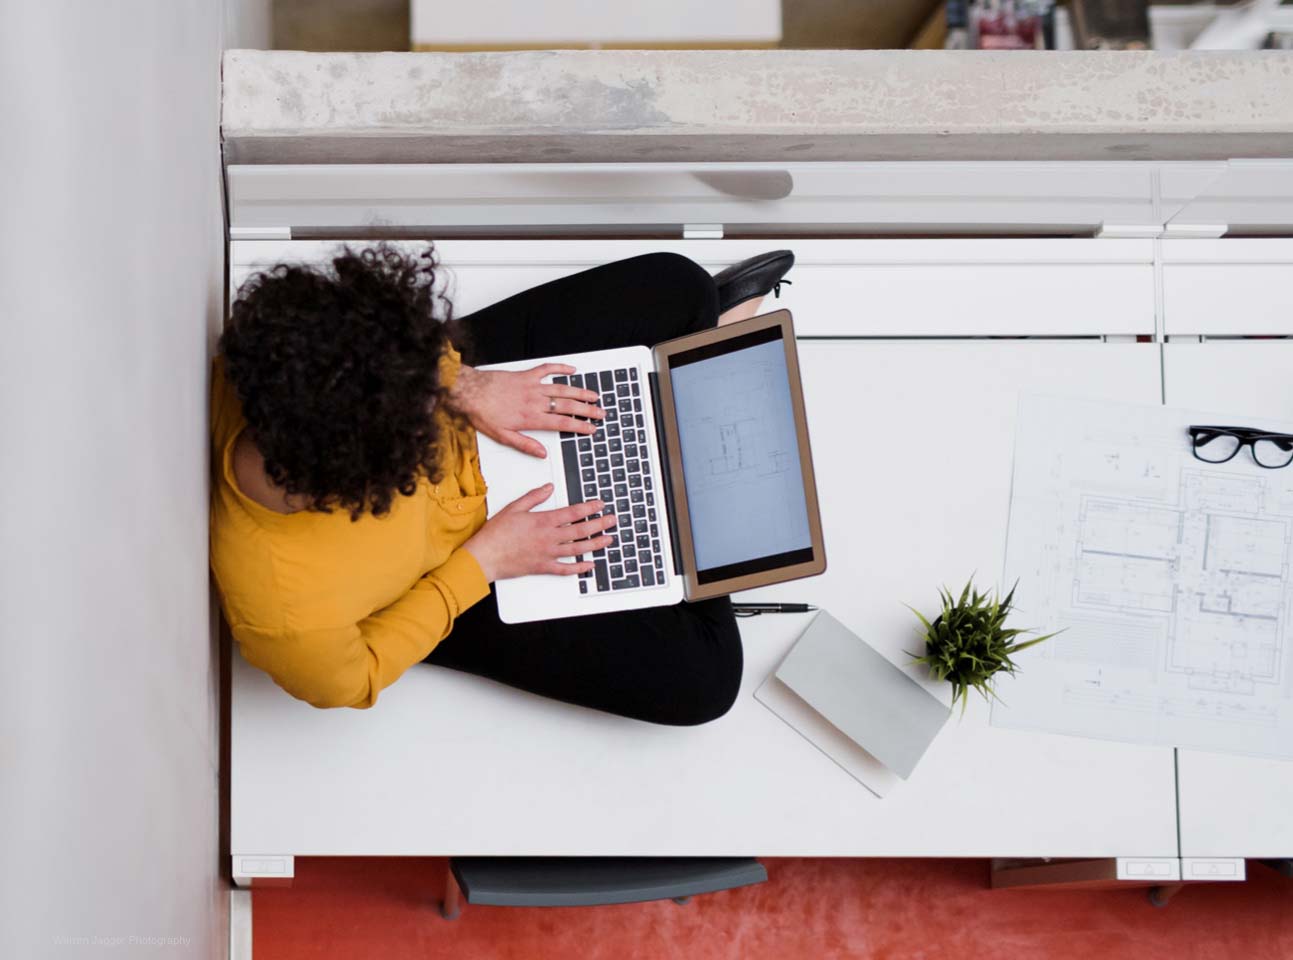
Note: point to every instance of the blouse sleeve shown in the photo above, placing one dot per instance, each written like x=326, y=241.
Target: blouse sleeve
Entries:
x=348, y=666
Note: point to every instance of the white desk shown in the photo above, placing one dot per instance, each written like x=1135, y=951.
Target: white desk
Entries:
x=1233, y=806
x=912, y=443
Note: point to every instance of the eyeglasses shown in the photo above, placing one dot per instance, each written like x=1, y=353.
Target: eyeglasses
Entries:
x=1219, y=444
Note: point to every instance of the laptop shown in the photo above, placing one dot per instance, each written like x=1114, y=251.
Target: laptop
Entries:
x=704, y=459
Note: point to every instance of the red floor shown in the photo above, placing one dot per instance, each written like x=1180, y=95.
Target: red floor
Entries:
x=926, y=909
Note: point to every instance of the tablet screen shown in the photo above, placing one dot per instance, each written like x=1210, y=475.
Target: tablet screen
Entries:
x=740, y=456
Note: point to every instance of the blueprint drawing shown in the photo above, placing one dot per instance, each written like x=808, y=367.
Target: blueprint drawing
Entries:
x=740, y=456
x=1169, y=577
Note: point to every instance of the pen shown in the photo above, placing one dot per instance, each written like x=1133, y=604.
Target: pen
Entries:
x=750, y=609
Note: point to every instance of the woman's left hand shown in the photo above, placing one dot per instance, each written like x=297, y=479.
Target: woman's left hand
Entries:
x=501, y=403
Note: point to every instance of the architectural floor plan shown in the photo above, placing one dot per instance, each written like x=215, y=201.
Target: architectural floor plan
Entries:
x=1169, y=577
x=740, y=454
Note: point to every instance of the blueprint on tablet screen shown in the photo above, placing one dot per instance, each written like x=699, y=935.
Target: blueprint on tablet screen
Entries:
x=1169, y=577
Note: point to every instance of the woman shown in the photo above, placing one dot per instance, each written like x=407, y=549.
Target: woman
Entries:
x=348, y=530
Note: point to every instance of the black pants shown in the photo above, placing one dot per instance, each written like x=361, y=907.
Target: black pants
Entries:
x=676, y=665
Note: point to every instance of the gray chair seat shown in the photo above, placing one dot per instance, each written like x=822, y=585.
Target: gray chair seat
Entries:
x=594, y=881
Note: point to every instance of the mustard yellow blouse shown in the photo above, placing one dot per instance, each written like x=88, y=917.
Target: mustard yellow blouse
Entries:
x=335, y=610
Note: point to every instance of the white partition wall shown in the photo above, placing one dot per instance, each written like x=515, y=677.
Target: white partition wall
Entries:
x=111, y=286
x=844, y=288
x=1228, y=288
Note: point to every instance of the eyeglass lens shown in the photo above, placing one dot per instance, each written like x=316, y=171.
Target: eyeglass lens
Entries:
x=1215, y=447
x=1273, y=453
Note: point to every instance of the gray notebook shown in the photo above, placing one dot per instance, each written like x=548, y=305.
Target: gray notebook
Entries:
x=862, y=695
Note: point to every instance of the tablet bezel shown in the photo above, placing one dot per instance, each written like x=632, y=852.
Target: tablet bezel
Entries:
x=694, y=589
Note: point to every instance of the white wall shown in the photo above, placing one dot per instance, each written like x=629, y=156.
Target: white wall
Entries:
x=111, y=259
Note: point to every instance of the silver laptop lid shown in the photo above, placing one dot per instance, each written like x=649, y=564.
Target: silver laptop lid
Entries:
x=884, y=711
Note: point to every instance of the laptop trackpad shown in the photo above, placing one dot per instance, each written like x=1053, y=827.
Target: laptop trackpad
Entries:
x=509, y=473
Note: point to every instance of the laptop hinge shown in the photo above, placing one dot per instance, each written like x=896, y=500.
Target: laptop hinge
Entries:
x=666, y=475
x=260, y=233
x=702, y=231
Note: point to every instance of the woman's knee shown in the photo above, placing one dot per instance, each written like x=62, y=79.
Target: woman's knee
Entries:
x=710, y=688
x=685, y=281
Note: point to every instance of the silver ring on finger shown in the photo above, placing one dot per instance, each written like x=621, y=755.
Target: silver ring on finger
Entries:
x=552, y=404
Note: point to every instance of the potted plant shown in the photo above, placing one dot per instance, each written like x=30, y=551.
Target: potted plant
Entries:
x=968, y=643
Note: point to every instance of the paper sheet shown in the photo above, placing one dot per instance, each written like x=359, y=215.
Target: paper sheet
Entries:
x=1169, y=577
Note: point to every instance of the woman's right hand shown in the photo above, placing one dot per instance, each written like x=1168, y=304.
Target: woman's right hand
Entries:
x=515, y=542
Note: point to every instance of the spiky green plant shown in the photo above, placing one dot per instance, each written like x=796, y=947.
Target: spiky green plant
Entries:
x=968, y=643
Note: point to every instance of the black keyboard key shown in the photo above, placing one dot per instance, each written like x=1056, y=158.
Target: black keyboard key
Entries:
x=635, y=480
x=654, y=532
x=646, y=558
x=621, y=491
x=604, y=480
x=612, y=415
x=603, y=579
x=633, y=373
x=590, y=491
x=630, y=566
x=622, y=584
x=609, y=399
x=626, y=520
x=631, y=581
x=655, y=546
x=583, y=586
x=600, y=450
x=621, y=375
x=622, y=389
x=640, y=526
x=641, y=433
x=636, y=496
x=585, y=459
x=648, y=577
x=639, y=511
x=612, y=430
x=615, y=445
x=617, y=460
x=585, y=445
x=631, y=451
x=625, y=408
x=603, y=466
x=643, y=541
x=619, y=475
x=628, y=549
x=650, y=499
x=577, y=380
x=617, y=571
x=614, y=557
x=621, y=506
x=561, y=380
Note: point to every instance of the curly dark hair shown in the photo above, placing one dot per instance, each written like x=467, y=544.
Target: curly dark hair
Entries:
x=338, y=372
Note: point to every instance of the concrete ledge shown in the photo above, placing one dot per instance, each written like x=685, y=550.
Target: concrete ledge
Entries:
x=607, y=106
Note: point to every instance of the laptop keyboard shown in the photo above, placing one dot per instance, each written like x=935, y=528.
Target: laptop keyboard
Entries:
x=613, y=465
